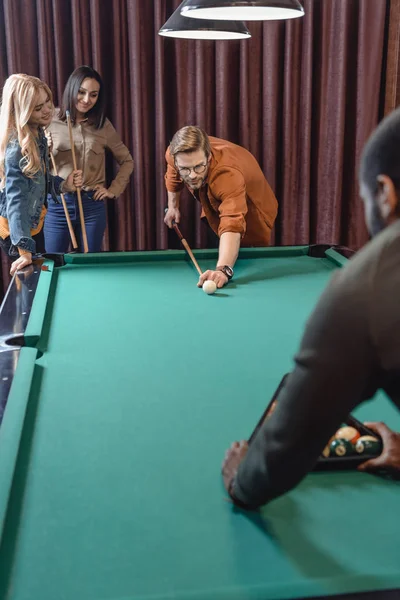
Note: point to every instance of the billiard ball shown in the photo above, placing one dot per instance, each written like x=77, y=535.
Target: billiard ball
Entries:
x=209, y=286
x=327, y=450
x=368, y=444
x=348, y=433
x=341, y=447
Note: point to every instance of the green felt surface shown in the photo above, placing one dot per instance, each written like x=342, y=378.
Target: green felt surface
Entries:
x=143, y=383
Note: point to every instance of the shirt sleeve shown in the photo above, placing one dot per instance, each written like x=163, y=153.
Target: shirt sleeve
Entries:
x=334, y=371
x=173, y=181
x=55, y=186
x=124, y=159
x=17, y=198
x=227, y=185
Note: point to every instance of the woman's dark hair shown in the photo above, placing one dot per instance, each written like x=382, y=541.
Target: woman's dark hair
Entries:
x=97, y=114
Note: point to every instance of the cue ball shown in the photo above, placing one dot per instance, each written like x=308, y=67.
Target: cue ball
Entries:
x=209, y=286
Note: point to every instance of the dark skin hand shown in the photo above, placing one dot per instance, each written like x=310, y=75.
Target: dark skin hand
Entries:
x=390, y=457
x=233, y=458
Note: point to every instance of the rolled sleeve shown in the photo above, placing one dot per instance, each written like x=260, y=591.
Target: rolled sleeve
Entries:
x=123, y=158
x=55, y=185
x=173, y=181
x=228, y=186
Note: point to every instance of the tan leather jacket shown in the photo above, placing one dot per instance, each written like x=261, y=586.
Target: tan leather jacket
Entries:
x=90, y=145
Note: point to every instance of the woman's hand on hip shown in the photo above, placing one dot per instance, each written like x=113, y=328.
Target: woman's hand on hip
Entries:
x=101, y=193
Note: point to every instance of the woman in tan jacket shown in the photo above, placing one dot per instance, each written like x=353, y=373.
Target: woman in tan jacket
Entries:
x=84, y=99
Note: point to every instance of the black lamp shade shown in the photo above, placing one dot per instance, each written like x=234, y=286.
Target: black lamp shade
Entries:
x=179, y=26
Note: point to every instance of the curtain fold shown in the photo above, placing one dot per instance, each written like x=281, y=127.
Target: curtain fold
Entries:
x=301, y=95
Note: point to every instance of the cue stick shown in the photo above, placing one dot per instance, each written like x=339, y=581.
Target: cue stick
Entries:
x=71, y=231
x=186, y=246
x=78, y=189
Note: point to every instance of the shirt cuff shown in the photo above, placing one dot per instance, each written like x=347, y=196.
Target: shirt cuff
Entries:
x=115, y=190
x=231, y=228
x=233, y=495
x=27, y=244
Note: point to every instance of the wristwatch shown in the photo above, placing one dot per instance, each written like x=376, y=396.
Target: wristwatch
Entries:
x=228, y=271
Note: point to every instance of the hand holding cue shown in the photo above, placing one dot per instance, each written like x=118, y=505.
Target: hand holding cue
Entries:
x=186, y=246
x=78, y=189
x=71, y=231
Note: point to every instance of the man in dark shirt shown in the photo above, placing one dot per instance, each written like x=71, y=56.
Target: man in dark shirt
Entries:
x=350, y=348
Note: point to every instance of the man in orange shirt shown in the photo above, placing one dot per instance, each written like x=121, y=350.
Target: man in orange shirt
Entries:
x=235, y=197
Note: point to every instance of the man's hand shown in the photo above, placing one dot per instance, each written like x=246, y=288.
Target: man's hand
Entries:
x=21, y=262
x=102, y=193
x=233, y=458
x=172, y=214
x=390, y=457
x=74, y=180
x=218, y=276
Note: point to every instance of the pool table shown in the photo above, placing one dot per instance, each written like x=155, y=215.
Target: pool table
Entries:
x=122, y=386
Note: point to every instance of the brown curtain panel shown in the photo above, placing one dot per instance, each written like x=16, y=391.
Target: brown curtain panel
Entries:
x=301, y=95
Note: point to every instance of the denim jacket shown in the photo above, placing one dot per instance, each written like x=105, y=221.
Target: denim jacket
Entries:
x=22, y=199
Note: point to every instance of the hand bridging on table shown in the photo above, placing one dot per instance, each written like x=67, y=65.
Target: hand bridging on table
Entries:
x=232, y=460
x=218, y=276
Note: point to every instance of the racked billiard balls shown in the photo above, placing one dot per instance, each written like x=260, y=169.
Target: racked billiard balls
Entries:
x=368, y=444
x=327, y=450
x=341, y=447
x=348, y=433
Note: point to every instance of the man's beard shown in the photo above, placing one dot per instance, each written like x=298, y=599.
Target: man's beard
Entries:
x=196, y=186
x=376, y=222
x=199, y=184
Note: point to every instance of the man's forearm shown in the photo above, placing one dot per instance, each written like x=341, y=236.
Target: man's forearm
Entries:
x=229, y=246
x=334, y=372
x=173, y=199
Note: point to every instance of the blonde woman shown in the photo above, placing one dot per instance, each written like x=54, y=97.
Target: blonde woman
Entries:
x=25, y=180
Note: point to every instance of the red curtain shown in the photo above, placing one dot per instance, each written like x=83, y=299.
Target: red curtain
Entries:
x=302, y=95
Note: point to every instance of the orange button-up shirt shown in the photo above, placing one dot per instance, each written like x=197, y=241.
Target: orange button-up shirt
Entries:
x=236, y=197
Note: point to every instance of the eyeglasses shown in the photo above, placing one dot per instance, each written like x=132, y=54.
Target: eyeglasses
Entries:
x=198, y=169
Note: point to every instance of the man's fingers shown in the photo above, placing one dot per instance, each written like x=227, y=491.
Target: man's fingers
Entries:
x=373, y=463
x=171, y=217
x=221, y=281
x=204, y=277
x=380, y=428
x=217, y=276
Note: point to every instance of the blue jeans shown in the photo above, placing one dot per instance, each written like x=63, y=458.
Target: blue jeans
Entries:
x=56, y=233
